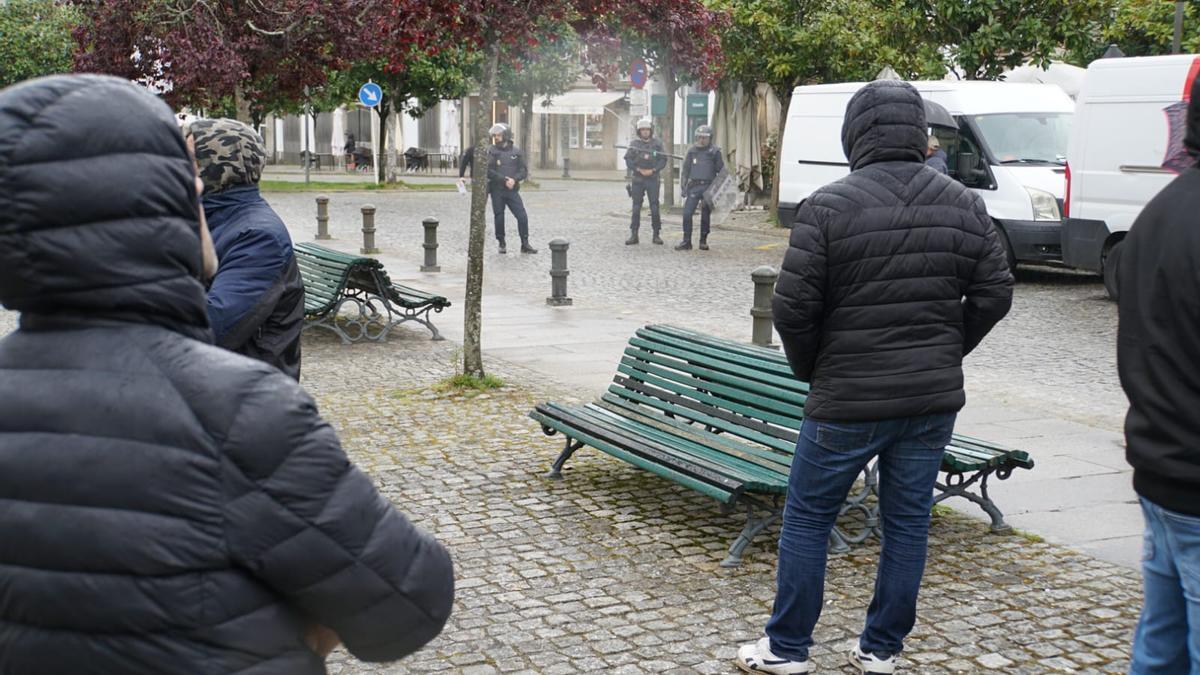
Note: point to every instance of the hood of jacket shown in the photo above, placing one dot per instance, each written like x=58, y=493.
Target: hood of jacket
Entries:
x=885, y=122
x=98, y=206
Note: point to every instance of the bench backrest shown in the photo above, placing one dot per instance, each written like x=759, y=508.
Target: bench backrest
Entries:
x=327, y=274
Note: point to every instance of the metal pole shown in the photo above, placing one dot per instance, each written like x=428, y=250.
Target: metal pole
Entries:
x=1177, y=43
x=558, y=273
x=307, y=150
x=323, y=217
x=764, y=287
x=368, y=229
x=430, y=246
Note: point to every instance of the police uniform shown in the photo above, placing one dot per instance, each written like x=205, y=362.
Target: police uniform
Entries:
x=506, y=160
x=645, y=153
x=700, y=168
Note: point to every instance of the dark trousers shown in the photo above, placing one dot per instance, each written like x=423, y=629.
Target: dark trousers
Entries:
x=650, y=188
x=695, y=197
x=503, y=197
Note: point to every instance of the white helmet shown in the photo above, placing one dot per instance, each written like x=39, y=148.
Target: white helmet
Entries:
x=645, y=123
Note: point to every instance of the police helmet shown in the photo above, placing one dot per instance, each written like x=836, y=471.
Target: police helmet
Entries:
x=501, y=129
x=645, y=123
x=704, y=130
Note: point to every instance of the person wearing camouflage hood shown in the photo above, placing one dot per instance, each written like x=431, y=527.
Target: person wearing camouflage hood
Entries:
x=256, y=300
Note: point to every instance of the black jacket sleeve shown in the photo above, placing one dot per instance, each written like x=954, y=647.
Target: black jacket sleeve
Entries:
x=313, y=527
x=522, y=168
x=630, y=153
x=685, y=169
x=467, y=163
x=799, y=302
x=989, y=294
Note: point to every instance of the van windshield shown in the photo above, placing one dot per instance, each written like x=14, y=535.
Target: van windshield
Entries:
x=1026, y=138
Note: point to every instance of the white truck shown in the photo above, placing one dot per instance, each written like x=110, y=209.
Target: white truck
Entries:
x=1010, y=147
x=1125, y=147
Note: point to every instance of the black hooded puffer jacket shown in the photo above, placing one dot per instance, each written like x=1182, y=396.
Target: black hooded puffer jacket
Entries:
x=166, y=506
x=893, y=273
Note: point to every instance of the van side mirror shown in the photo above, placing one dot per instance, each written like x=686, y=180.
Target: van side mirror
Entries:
x=968, y=169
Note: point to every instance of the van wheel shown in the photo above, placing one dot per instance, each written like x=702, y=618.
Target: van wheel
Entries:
x=1109, y=271
x=1009, y=255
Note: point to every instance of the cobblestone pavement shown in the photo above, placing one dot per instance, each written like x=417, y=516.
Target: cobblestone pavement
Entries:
x=1055, y=352
x=615, y=570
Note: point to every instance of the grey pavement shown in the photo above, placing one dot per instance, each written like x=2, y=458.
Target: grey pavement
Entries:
x=1044, y=381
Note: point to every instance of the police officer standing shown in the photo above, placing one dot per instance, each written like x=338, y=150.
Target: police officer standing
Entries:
x=506, y=170
x=700, y=167
x=644, y=159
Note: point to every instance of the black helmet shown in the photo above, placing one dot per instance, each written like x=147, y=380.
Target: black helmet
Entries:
x=704, y=130
x=503, y=130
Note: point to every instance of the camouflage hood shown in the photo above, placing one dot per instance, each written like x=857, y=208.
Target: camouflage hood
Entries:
x=229, y=153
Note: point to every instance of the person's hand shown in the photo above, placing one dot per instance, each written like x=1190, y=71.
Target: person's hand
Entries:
x=646, y=172
x=509, y=183
x=321, y=640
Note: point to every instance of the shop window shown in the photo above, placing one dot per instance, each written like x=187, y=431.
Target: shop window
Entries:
x=573, y=131
x=593, y=132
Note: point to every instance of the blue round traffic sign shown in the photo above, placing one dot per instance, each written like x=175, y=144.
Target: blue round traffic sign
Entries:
x=637, y=74
x=370, y=94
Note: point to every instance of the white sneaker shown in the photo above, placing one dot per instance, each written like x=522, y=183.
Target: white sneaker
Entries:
x=869, y=663
x=757, y=658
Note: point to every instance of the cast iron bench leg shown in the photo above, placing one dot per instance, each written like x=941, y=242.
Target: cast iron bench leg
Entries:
x=956, y=486
x=571, y=446
x=753, y=527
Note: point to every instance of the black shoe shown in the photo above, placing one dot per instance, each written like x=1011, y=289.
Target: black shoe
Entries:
x=633, y=239
x=703, y=245
x=684, y=245
x=526, y=248
x=503, y=248
x=657, y=239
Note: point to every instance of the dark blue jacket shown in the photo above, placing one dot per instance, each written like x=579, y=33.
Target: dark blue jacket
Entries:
x=938, y=161
x=256, y=301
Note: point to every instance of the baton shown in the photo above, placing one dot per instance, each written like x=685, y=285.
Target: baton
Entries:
x=652, y=152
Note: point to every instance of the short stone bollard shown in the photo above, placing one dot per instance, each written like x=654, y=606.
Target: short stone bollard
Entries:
x=323, y=217
x=558, y=273
x=430, y=245
x=566, y=167
x=764, y=287
x=368, y=229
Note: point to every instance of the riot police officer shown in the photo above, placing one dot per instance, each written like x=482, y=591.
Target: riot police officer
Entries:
x=644, y=160
x=506, y=170
x=700, y=167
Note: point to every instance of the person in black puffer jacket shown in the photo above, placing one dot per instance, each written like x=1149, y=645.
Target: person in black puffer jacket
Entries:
x=893, y=274
x=168, y=506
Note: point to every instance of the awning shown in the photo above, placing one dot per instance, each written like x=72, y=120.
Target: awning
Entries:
x=577, y=103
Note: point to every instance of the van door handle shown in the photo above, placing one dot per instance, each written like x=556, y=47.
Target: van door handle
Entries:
x=1136, y=168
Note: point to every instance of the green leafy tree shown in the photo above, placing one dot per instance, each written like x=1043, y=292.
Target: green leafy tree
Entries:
x=787, y=43
x=983, y=38
x=548, y=68
x=35, y=39
x=1142, y=28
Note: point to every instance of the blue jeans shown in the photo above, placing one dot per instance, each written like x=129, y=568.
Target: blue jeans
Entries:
x=829, y=457
x=1163, y=643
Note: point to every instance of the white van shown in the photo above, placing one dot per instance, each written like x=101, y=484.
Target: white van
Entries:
x=1118, y=153
x=1011, y=148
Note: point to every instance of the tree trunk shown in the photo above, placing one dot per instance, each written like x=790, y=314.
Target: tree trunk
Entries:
x=526, y=140
x=383, y=110
x=241, y=105
x=786, y=103
x=473, y=305
x=669, y=129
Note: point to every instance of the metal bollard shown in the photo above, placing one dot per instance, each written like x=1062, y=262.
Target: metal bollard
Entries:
x=764, y=287
x=430, y=245
x=323, y=217
x=566, y=167
x=368, y=229
x=558, y=273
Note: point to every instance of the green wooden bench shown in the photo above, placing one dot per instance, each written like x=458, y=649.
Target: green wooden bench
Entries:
x=722, y=418
x=333, y=279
